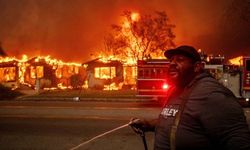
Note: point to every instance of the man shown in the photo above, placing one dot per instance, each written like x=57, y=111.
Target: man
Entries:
x=200, y=114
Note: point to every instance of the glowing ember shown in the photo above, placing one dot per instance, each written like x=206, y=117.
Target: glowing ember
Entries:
x=62, y=87
x=112, y=86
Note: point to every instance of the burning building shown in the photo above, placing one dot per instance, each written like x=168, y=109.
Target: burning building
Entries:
x=41, y=72
x=47, y=73
x=9, y=75
x=104, y=75
x=38, y=71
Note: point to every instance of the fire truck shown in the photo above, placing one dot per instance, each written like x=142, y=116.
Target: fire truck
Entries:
x=152, y=78
x=237, y=79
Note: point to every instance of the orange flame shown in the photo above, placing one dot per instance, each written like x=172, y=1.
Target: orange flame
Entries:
x=112, y=86
x=135, y=16
x=236, y=61
x=51, y=61
x=36, y=72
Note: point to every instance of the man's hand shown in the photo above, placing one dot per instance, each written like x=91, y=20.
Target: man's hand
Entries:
x=141, y=125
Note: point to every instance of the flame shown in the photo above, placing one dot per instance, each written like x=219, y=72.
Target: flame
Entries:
x=105, y=72
x=107, y=59
x=133, y=52
x=19, y=69
x=51, y=61
x=135, y=16
x=113, y=86
x=50, y=89
x=62, y=87
x=126, y=25
x=7, y=59
x=236, y=61
x=129, y=61
x=37, y=72
x=24, y=58
x=85, y=85
x=130, y=74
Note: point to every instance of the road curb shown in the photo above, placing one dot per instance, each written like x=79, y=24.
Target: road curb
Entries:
x=76, y=99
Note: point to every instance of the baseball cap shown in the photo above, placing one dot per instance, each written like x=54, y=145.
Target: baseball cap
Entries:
x=186, y=50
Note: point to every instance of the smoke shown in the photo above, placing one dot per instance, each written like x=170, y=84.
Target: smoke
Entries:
x=73, y=30
x=60, y=28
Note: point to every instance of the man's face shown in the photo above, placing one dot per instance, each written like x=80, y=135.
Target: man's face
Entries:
x=181, y=69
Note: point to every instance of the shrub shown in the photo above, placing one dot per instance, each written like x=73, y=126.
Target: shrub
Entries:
x=7, y=93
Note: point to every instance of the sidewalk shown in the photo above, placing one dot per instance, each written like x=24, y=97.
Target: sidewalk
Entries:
x=86, y=99
x=103, y=96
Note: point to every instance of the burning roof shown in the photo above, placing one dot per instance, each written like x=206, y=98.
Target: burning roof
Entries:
x=48, y=71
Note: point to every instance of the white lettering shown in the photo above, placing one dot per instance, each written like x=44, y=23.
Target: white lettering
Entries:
x=169, y=112
x=175, y=111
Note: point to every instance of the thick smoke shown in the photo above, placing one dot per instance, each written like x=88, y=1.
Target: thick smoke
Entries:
x=73, y=30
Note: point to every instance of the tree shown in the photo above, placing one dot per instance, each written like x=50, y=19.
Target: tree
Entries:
x=114, y=42
x=140, y=37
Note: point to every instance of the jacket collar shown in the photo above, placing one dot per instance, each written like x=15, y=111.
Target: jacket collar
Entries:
x=197, y=78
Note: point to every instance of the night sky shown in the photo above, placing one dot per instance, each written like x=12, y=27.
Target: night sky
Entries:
x=72, y=30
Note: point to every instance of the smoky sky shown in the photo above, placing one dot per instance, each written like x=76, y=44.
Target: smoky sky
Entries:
x=73, y=30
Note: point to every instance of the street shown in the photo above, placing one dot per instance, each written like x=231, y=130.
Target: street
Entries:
x=40, y=134
x=83, y=109
x=63, y=125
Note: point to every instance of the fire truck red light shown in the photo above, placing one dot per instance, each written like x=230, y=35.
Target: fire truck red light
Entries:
x=165, y=86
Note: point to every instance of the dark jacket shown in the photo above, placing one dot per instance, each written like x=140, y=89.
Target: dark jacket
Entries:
x=212, y=119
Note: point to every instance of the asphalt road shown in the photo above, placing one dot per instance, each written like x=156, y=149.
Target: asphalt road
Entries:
x=54, y=109
x=63, y=125
x=60, y=134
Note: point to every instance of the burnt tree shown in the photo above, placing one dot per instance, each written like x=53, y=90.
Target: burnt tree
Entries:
x=140, y=37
